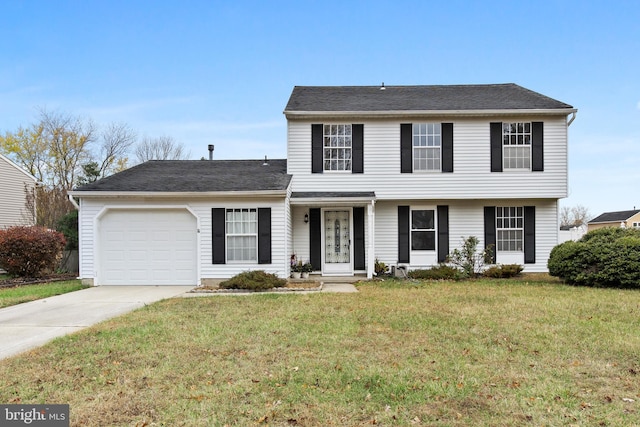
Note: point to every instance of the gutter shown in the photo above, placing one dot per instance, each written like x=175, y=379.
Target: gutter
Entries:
x=573, y=117
x=290, y=114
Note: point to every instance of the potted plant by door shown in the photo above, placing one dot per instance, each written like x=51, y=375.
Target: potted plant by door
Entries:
x=296, y=270
x=306, y=269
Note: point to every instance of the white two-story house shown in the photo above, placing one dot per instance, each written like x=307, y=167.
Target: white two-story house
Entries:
x=398, y=173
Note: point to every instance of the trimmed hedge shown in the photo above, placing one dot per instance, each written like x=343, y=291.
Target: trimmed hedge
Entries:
x=440, y=272
x=256, y=280
x=503, y=271
x=607, y=257
x=30, y=251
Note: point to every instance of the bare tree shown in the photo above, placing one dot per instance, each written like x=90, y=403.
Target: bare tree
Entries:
x=574, y=215
x=69, y=140
x=115, y=142
x=161, y=148
x=61, y=150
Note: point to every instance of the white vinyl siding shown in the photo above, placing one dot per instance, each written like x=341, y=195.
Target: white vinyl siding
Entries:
x=471, y=179
x=91, y=207
x=12, y=195
x=466, y=218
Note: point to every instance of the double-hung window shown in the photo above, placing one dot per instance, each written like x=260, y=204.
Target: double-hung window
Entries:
x=242, y=234
x=337, y=147
x=427, y=139
x=516, y=145
x=423, y=230
x=509, y=228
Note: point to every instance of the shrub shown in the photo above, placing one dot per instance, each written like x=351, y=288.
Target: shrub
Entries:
x=607, y=257
x=441, y=272
x=503, y=271
x=468, y=259
x=380, y=268
x=68, y=225
x=256, y=280
x=30, y=251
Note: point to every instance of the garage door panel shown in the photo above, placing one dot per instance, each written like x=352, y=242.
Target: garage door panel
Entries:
x=148, y=247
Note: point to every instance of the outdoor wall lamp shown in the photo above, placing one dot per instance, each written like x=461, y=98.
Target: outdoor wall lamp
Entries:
x=306, y=218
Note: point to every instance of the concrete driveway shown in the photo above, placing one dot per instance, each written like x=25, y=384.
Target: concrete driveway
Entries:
x=32, y=324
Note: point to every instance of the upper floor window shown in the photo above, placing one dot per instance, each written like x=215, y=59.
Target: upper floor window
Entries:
x=337, y=147
x=509, y=228
x=242, y=234
x=423, y=230
x=516, y=142
x=426, y=146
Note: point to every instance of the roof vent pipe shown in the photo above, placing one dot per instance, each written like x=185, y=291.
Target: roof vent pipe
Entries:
x=382, y=87
x=266, y=162
x=211, y=151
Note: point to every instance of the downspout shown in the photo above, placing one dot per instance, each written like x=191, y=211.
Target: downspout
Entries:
x=573, y=117
x=73, y=202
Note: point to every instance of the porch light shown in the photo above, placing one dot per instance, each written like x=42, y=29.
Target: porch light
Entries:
x=306, y=218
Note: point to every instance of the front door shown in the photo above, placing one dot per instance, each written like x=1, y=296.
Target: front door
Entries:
x=337, y=254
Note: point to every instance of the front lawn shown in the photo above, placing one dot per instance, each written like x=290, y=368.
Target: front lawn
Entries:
x=24, y=293
x=505, y=353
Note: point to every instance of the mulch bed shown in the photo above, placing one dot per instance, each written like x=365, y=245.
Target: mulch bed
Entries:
x=309, y=285
x=20, y=281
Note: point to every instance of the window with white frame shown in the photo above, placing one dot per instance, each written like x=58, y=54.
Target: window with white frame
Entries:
x=423, y=230
x=427, y=139
x=509, y=228
x=636, y=225
x=516, y=145
x=242, y=235
x=337, y=147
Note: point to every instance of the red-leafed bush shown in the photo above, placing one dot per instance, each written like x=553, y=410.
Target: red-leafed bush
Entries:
x=30, y=251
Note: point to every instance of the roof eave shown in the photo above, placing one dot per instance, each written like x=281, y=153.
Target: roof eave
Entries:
x=175, y=194
x=294, y=114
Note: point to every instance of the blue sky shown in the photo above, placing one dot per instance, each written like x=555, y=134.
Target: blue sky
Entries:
x=221, y=71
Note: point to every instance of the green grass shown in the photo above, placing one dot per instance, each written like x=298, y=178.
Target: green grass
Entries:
x=486, y=352
x=25, y=293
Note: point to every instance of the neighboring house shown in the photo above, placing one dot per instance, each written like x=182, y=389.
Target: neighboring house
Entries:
x=616, y=219
x=398, y=173
x=571, y=232
x=15, y=182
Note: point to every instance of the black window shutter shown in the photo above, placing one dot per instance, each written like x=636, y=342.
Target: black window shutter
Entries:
x=490, y=231
x=264, y=235
x=218, y=235
x=316, y=148
x=315, y=239
x=529, y=234
x=496, y=147
x=403, y=234
x=443, y=233
x=406, y=148
x=537, y=146
x=357, y=148
x=447, y=147
x=358, y=238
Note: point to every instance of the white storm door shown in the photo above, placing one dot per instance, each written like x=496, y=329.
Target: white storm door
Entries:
x=337, y=249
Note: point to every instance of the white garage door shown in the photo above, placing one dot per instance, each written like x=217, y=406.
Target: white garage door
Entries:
x=148, y=247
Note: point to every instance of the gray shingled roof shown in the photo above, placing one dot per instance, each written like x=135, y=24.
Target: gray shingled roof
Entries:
x=614, y=216
x=197, y=176
x=507, y=96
